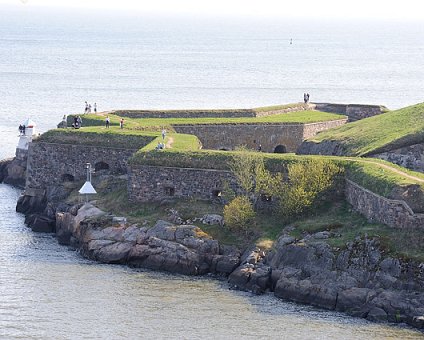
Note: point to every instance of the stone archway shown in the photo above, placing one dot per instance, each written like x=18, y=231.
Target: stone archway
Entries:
x=280, y=149
x=101, y=166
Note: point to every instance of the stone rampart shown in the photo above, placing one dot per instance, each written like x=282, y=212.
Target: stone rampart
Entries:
x=230, y=136
x=410, y=157
x=353, y=111
x=152, y=183
x=312, y=129
x=52, y=164
x=280, y=138
x=224, y=113
x=379, y=209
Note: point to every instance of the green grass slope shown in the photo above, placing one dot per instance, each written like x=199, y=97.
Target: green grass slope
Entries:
x=380, y=133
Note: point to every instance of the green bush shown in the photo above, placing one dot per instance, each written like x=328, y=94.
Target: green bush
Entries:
x=239, y=214
x=307, y=182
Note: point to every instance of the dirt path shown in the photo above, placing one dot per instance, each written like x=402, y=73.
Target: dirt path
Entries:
x=400, y=172
x=169, y=143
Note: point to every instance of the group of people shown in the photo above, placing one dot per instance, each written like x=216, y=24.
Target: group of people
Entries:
x=107, y=122
x=88, y=108
x=77, y=122
x=306, y=98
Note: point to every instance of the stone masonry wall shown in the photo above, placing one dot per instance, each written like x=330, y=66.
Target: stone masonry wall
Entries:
x=229, y=136
x=353, y=111
x=312, y=129
x=224, y=113
x=48, y=163
x=152, y=183
x=411, y=157
x=376, y=208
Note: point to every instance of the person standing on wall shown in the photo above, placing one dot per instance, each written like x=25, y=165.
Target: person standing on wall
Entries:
x=95, y=108
x=121, y=123
x=107, y=122
x=163, y=134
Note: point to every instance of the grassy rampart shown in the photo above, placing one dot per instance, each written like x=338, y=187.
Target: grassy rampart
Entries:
x=203, y=113
x=93, y=137
x=388, y=131
x=157, y=124
x=369, y=174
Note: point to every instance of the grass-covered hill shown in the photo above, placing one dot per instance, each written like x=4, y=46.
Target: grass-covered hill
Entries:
x=377, y=134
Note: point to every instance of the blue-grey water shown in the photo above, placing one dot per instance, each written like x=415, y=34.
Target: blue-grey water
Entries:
x=53, y=61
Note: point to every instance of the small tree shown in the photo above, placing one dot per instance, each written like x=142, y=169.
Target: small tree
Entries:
x=307, y=181
x=239, y=214
x=243, y=167
x=251, y=175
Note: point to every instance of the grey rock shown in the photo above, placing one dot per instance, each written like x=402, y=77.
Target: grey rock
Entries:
x=391, y=266
x=377, y=315
x=322, y=235
x=113, y=253
x=353, y=298
x=213, y=219
x=131, y=234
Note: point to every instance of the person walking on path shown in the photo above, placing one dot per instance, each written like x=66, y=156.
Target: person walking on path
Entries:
x=107, y=122
x=95, y=108
x=86, y=107
x=163, y=134
x=121, y=123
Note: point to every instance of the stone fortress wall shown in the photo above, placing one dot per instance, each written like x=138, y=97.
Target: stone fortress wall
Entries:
x=394, y=213
x=353, y=111
x=224, y=113
x=53, y=164
x=286, y=137
x=155, y=184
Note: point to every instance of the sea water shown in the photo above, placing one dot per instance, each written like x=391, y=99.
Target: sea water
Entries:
x=52, y=61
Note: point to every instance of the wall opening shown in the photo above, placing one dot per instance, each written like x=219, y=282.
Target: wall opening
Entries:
x=280, y=149
x=224, y=149
x=266, y=198
x=101, y=166
x=169, y=191
x=216, y=193
x=67, y=178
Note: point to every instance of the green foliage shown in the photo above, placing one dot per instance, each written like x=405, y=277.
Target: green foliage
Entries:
x=239, y=214
x=243, y=166
x=307, y=181
x=227, y=193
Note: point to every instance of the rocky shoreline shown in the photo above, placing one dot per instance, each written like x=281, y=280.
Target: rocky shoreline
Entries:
x=359, y=280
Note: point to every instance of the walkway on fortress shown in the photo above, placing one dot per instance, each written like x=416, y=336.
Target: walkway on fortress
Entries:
x=388, y=167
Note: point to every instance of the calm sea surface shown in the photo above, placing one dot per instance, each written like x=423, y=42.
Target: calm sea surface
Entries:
x=53, y=61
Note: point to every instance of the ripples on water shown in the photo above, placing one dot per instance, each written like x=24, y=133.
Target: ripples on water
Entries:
x=50, y=292
x=50, y=63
